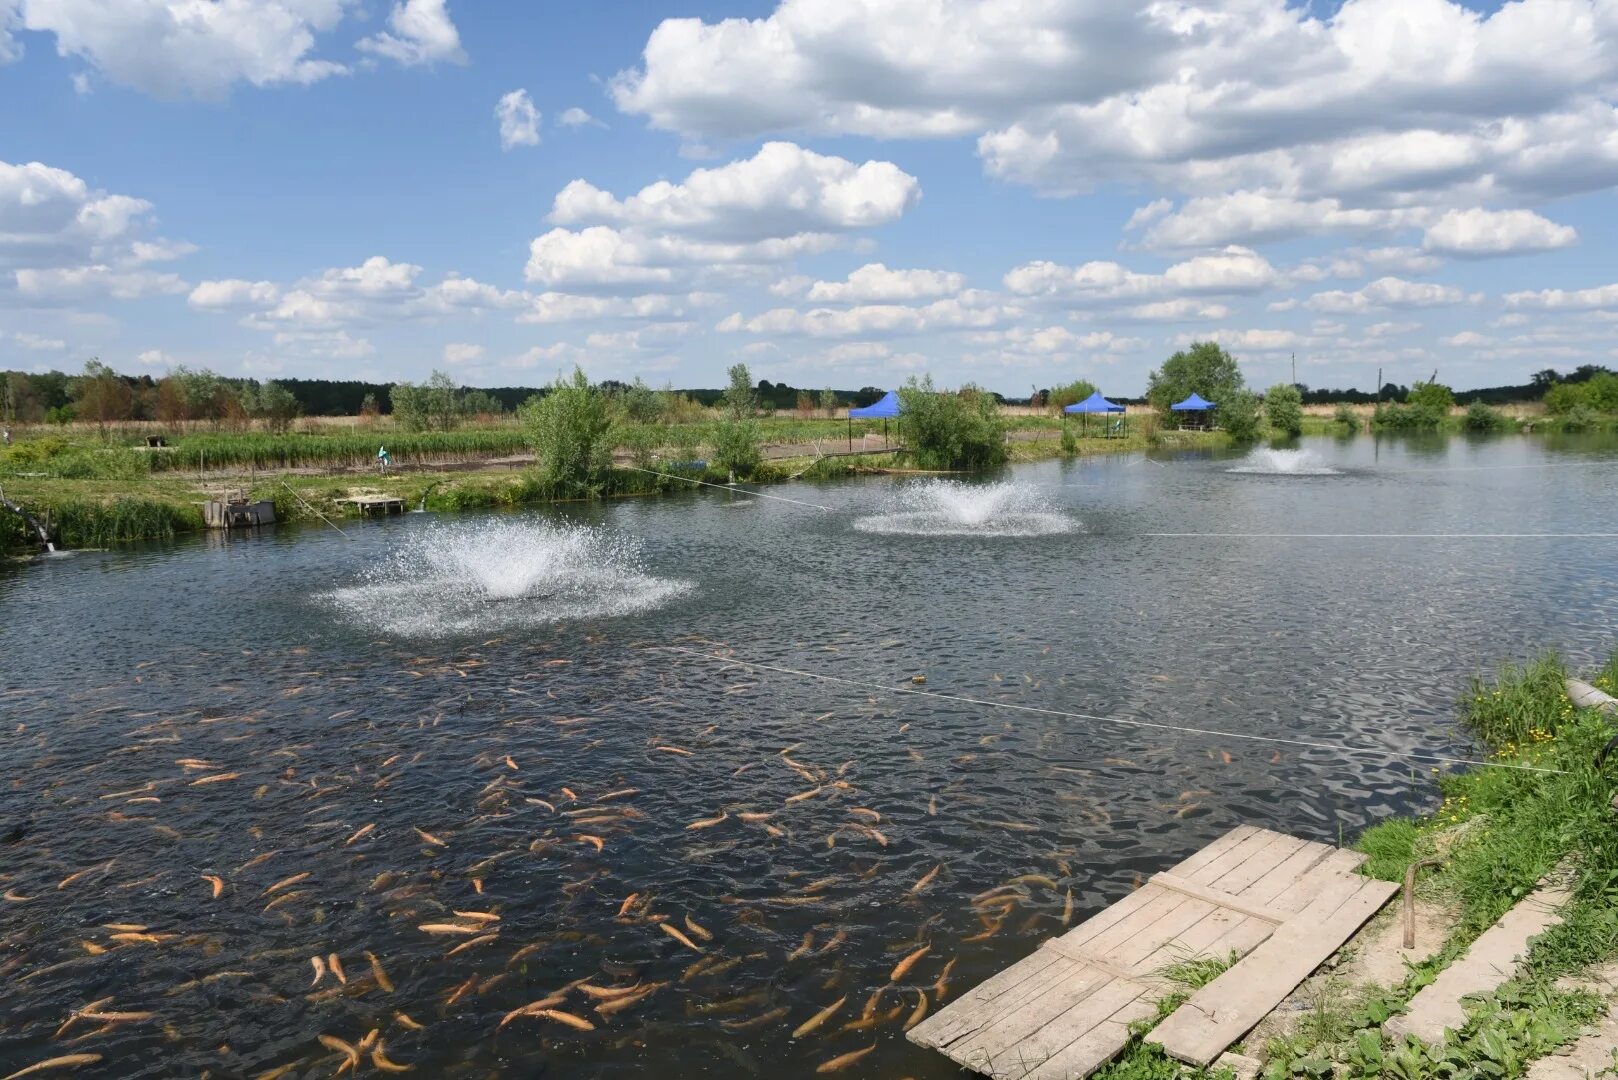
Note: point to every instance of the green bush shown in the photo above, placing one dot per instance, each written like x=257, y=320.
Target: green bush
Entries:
x=1204, y=368
x=1070, y=441
x=1283, y=408
x=119, y=464
x=1074, y=392
x=1238, y=416
x=1482, y=419
x=1346, y=416
x=1580, y=418
x=737, y=447
x=1564, y=397
x=960, y=430
x=568, y=429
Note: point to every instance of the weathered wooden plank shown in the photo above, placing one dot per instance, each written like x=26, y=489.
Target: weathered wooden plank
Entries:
x=1198, y=859
x=1340, y=863
x=1162, y=904
x=1067, y=997
x=1027, y=1055
x=1230, y=858
x=1227, y=1008
x=1207, y=938
x=969, y=1015
x=1258, y=864
x=1491, y=960
x=1095, y=1048
x=1219, y=898
x=1297, y=867
x=949, y=1022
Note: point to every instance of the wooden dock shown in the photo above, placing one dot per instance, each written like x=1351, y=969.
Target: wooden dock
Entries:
x=1283, y=904
x=369, y=505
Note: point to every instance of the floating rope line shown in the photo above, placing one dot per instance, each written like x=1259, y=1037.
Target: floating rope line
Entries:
x=1383, y=536
x=728, y=487
x=1413, y=755
x=317, y=513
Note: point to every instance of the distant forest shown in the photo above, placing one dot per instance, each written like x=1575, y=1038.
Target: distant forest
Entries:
x=54, y=395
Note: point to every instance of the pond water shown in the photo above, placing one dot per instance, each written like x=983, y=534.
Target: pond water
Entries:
x=361, y=737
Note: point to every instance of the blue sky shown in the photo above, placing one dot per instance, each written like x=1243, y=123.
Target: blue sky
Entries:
x=838, y=192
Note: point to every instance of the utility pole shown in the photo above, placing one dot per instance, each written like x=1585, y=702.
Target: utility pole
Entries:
x=1294, y=369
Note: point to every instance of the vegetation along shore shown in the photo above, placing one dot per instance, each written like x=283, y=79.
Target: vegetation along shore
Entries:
x=99, y=457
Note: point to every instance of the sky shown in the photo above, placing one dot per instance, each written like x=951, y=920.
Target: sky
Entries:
x=1016, y=193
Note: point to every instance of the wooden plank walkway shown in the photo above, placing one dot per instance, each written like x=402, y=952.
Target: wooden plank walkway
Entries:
x=1065, y=1011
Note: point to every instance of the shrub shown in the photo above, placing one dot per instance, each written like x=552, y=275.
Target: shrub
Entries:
x=1070, y=441
x=1204, y=368
x=961, y=430
x=1283, y=408
x=1346, y=416
x=1482, y=419
x=1564, y=398
x=1425, y=409
x=1074, y=392
x=568, y=429
x=1238, y=415
x=1601, y=391
x=1580, y=418
x=736, y=447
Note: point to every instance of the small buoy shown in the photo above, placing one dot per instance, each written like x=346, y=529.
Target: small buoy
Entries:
x=918, y=679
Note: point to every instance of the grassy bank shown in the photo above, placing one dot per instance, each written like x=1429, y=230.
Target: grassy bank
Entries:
x=1498, y=832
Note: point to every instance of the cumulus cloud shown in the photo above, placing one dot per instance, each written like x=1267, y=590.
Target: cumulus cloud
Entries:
x=233, y=293
x=419, y=32
x=460, y=352
x=972, y=309
x=519, y=120
x=874, y=282
x=780, y=191
x=1599, y=297
x=1387, y=292
x=1272, y=119
x=52, y=219
x=1230, y=271
x=179, y=48
x=577, y=117
x=38, y=342
x=1479, y=232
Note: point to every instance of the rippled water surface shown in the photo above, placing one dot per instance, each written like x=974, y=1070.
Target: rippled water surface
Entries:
x=389, y=747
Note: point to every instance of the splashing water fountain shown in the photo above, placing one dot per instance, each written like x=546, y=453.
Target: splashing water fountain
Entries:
x=951, y=508
x=1267, y=461
x=492, y=576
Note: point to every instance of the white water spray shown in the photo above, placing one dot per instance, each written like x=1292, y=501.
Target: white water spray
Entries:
x=477, y=577
x=951, y=508
x=1266, y=461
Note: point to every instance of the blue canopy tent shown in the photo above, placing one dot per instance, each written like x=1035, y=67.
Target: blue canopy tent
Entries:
x=887, y=406
x=1195, y=403
x=1095, y=403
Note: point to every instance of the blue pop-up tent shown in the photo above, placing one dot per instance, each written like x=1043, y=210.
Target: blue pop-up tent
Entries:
x=1195, y=403
x=887, y=406
x=1095, y=403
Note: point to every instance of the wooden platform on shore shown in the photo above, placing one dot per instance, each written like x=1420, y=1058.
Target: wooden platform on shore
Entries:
x=368, y=505
x=1065, y=1011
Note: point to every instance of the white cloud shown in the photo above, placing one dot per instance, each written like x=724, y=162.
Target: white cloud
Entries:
x=232, y=293
x=972, y=309
x=1479, y=232
x=460, y=352
x=1388, y=292
x=1603, y=296
x=52, y=219
x=324, y=345
x=1391, y=329
x=1231, y=271
x=1467, y=338
x=1258, y=340
x=37, y=342
x=875, y=283
x=1174, y=311
x=419, y=32
x=577, y=117
x=178, y=48
x=781, y=191
x=519, y=120
x=67, y=285
x=555, y=307
x=1273, y=119
x=154, y=359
